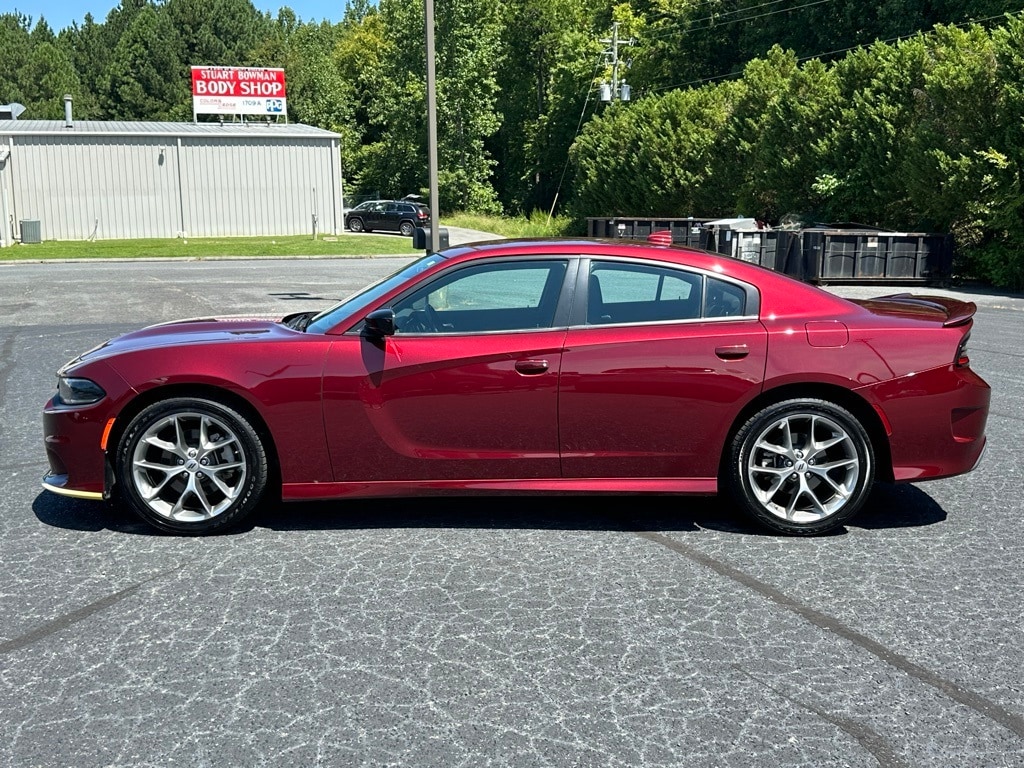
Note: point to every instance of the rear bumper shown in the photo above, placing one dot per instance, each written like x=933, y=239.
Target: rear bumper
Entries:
x=936, y=421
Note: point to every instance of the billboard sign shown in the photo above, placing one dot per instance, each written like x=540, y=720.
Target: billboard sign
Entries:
x=238, y=91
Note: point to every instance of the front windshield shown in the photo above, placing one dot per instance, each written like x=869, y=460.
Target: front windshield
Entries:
x=327, y=319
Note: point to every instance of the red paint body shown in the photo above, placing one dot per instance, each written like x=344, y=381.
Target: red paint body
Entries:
x=572, y=407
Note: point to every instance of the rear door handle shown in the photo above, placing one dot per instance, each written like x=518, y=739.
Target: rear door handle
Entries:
x=735, y=352
x=531, y=367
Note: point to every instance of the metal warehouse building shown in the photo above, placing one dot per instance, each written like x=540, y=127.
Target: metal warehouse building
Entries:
x=106, y=180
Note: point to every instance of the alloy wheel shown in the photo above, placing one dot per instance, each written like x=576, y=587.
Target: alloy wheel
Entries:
x=189, y=467
x=803, y=467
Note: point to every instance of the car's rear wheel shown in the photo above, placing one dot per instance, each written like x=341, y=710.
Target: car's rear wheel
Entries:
x=406, y=228
x=355, y=224
x=802, y=466
x=191, y=466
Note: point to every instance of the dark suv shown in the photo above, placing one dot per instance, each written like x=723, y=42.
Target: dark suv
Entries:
x=388, y=216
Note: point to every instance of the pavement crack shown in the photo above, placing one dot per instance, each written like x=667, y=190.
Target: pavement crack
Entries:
x=6, y=363
x=867, y=737
x=1012, y=722
x=61, y=623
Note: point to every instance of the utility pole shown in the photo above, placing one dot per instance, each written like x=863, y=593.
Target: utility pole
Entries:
x=435, y=234
x=618, y=90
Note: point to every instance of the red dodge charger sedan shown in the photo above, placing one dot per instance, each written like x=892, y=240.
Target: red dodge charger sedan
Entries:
x=535, y=365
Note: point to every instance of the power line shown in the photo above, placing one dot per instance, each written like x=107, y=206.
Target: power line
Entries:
x=718, y=21
x=707, y=3
x=831, y=53
x=579, y=127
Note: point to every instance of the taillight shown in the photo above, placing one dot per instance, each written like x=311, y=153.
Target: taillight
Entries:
x=962, y=360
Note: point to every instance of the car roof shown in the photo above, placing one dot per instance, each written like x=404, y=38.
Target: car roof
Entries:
x=780, y=285
x=602, y=247
x=402, y=202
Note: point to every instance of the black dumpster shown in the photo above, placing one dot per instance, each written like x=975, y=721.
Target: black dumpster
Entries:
x=685, y=231
x=896, y=257
x=822, y=254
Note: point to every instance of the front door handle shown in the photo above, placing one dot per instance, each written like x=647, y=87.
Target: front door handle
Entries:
x=531, y=367
x=735, y=352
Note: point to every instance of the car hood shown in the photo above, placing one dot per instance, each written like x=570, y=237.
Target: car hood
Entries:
x=206, y=330
x=940, y=309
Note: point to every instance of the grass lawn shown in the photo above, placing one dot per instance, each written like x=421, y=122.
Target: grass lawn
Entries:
x=347, y=244
x=537, y=224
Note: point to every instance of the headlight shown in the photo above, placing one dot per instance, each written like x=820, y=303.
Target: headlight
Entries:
x=71, y=391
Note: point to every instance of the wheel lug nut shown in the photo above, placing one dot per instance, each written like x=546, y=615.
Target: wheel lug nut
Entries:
x=181, y=462
x=793, y=476
x=204, y=462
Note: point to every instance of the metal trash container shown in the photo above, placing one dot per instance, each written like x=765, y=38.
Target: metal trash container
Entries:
x=421, y=238
x=31, y=231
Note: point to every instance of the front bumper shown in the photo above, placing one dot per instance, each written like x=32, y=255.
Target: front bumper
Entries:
x=59, y=484
x=72, y=440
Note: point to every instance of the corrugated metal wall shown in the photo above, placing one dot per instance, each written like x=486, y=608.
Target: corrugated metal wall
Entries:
x=117, y=186
x=255, y=187
x=136, y=186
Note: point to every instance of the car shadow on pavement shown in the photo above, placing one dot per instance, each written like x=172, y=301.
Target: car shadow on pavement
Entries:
x=898, y=506
x=889, y=506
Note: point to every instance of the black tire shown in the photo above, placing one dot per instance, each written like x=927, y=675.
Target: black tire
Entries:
x=191, y=466
x=801, y=467
x=355, y=224
x=406, y=228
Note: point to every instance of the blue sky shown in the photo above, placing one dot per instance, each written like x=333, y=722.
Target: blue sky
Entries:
x=61, y=13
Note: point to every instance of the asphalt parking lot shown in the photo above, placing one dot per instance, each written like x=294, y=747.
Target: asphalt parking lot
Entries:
x=506, y=631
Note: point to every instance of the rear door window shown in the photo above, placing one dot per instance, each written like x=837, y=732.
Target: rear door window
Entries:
x=625, y=292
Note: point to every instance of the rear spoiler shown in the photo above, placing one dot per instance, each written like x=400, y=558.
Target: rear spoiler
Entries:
x=957, y=312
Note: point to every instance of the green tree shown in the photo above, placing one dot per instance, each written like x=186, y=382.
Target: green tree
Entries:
x=393, y=160
x=657, y=157
x=358, y=55
x=861, y=178
x=48, y=74
x=16, y=45
x=467, y=91
x=145, y=73
x=317, y=94
x=780, y=130
x=87, y=48
x=216, y=32
x=550, y=54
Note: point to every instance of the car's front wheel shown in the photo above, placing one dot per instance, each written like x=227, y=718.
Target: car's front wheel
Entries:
x=355, y=224
x=802, y=466
x=191, y=466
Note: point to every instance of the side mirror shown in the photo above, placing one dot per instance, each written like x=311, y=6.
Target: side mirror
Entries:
x=380, y=322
